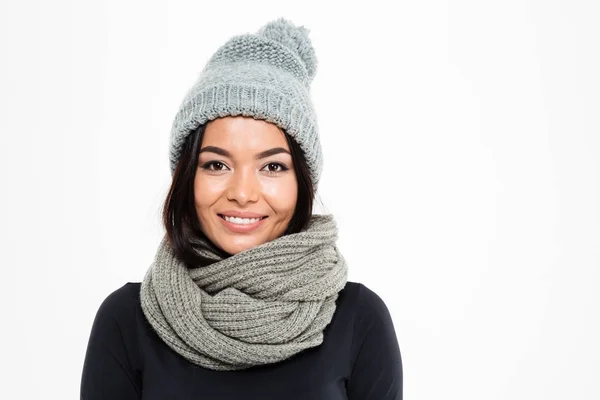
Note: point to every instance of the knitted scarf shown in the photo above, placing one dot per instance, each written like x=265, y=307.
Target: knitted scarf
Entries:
x=259, y=306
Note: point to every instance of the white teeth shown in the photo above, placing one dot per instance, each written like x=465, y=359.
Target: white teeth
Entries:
x=241, y=221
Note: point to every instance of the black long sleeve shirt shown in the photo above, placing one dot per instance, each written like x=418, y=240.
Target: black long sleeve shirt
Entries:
x=359, y=359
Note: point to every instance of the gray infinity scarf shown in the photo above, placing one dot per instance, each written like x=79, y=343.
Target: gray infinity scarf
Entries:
x=260, y=306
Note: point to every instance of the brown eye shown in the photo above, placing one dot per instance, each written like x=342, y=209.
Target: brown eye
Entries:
x=218, y=166
x=275, y=168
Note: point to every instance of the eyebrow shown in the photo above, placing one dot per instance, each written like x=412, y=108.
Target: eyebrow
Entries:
x=261, y=155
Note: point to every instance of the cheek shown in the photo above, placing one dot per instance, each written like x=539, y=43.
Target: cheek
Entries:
x=281, y=194
x=206, y=192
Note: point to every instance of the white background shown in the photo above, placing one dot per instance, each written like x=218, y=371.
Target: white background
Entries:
x=461, y=142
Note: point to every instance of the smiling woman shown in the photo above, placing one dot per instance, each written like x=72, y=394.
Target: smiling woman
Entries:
x=248, y=295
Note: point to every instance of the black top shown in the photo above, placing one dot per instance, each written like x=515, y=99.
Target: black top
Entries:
x=359, y=359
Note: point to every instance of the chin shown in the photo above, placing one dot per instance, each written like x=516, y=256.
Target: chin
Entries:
x=234, y=248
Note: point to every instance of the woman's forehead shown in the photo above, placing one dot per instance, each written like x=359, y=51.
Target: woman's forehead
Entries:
x=244, y=132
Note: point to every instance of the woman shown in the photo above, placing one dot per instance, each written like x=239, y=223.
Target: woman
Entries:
x=248, y=294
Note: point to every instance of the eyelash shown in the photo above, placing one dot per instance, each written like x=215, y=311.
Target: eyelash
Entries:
x=207, y=166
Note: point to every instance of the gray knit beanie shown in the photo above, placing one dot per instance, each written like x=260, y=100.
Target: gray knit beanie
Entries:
x=267, y=76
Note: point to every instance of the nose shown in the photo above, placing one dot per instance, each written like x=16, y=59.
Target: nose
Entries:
x=244, y=186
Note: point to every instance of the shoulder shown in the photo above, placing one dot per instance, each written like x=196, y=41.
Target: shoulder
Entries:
x=115, y=325
x=119, y=305
x=122, y=297
x=113, y=360
x=376, y=362
x=372, y=319
x=369, y=306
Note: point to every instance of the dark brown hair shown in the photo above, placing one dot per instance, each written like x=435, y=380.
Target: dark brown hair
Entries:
x=179, y=215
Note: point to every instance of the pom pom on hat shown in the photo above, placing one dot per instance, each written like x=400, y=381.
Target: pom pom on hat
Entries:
x=293, y=37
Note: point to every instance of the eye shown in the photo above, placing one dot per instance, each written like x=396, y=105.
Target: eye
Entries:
x=275, y=168
x=218, y=166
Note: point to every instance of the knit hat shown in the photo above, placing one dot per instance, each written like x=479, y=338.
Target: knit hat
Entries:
x=267, y=76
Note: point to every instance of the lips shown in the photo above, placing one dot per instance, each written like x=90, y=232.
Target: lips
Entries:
x=241, y=214
x=223, y=217
x=241, y=227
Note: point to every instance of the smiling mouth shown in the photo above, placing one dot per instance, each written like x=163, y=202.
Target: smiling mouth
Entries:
x=241, y=220
x=241, y=225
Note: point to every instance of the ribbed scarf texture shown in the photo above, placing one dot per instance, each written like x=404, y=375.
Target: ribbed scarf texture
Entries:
x=259, y=306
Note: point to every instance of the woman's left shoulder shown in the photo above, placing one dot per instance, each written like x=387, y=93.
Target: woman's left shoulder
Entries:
x=369, y=305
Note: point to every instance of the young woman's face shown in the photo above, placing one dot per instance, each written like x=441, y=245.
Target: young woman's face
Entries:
x=244, y=167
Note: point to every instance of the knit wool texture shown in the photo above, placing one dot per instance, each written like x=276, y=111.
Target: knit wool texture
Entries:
x=266, y=75
x=259, y=306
